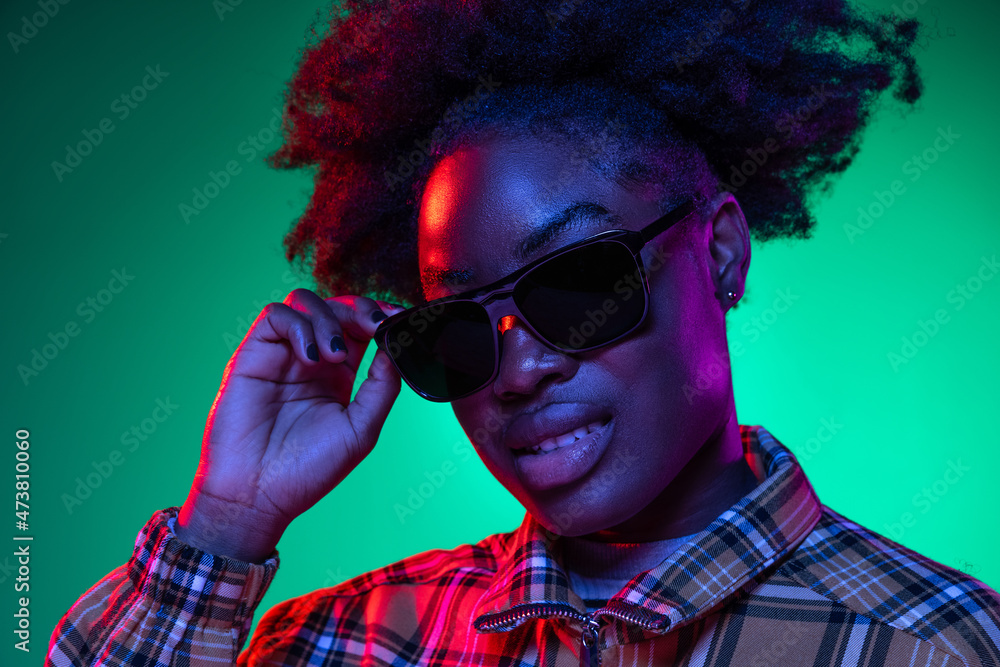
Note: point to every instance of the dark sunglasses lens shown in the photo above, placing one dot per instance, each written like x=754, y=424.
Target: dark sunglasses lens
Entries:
x=585, y=297
x=445, y=350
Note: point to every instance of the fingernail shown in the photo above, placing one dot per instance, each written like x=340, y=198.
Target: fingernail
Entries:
x=395, y=306
x=337, y=344
x=312, y=352
x=378, y=316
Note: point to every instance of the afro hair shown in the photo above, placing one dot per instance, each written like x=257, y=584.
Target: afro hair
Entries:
x=765, y=98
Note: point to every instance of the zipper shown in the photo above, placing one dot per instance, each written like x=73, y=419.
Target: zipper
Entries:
x=590, y=656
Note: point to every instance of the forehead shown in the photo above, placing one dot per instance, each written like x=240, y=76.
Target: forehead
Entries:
x=482, y=202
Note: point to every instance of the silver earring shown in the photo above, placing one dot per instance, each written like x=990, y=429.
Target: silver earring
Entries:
x=731, y=295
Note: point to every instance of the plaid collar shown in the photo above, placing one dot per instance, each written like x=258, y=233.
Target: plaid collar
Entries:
x=755, y=533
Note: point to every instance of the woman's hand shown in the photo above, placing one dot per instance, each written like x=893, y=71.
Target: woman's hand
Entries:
x=283, y=430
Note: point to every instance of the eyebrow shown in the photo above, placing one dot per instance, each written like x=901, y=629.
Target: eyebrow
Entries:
x=572, y=215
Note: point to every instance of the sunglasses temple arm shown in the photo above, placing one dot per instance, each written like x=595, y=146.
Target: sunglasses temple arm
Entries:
x=673, y=217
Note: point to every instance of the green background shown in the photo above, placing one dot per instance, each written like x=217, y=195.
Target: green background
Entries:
x=169, y=333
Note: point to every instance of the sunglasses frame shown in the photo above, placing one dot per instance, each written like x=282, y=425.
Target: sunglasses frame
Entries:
x=484, y=296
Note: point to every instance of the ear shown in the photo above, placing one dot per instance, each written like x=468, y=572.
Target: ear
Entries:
x=730, y=246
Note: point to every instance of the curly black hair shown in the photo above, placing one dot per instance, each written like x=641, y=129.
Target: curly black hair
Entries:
x=767, y=98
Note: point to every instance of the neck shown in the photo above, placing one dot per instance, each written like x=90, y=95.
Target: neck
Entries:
x=616, y=561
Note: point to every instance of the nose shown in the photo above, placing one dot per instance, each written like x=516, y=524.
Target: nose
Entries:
x=526, y=363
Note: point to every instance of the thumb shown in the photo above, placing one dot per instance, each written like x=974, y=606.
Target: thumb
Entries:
x=371, y=405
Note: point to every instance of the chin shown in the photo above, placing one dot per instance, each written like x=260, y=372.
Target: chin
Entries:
x=573, y=517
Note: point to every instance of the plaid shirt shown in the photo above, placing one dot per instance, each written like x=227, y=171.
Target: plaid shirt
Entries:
x=778, y=579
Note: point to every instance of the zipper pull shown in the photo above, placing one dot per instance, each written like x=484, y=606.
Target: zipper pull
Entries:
x=589, y=655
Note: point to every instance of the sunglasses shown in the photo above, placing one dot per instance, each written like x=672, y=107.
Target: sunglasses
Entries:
x=581, y=297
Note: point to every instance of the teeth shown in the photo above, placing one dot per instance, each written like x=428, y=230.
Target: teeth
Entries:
x=565, y=439
x=550, y=444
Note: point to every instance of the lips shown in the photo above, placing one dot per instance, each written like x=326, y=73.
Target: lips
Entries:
x=553, y=426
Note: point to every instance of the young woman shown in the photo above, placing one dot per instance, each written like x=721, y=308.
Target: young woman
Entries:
x=564, y=196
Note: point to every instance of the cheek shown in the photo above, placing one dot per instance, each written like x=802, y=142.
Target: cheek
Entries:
x=481, y=419
x=643, y=378
x=686, y=314
x=678, y=360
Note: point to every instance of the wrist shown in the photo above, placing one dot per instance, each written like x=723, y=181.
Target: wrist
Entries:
x=227, y=529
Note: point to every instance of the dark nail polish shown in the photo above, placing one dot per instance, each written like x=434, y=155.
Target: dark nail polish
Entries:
x=337, y=344
x=378, y=316
x=312, y=352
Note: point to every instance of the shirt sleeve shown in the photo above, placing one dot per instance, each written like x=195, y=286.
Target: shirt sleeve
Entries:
x=170, y=604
